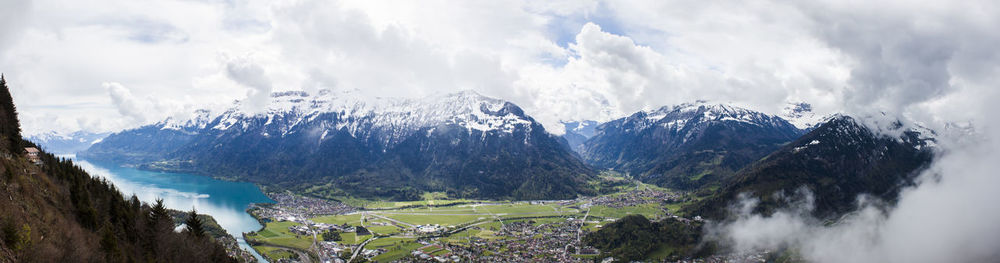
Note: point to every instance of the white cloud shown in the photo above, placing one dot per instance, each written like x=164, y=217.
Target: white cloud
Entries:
x=913, y=60
x=930, y=61
x=244, y=71
x=124, y=101
x=509, y=49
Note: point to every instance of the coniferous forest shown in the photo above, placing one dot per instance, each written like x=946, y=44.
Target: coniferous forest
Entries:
x=56, y=212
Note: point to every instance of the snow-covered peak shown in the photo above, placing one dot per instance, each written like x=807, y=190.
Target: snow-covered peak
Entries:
x=388, y=118
x=197, y=120
x=900, y=130
x=679, y=116
x=801, y=115
x=51, y=135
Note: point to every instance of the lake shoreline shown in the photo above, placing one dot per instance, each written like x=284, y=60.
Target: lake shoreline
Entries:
x=225, y=200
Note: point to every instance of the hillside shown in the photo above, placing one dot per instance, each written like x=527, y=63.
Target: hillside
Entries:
x=835, y=162
x=336, y=144
x=53, y=211
x=687, y=146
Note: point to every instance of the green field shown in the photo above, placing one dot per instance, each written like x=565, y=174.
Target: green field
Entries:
x=397, y=251
x=352, y=238
x=274, y=253
x=648, y=210
x=387, y=242
x=352, y=219
x=523, y=209
x=433, y=218
x=277, y=233
x=384, y=230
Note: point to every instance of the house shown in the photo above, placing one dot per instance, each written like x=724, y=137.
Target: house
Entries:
x=33, y=155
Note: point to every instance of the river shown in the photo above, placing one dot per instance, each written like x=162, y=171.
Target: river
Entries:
x=224, y=200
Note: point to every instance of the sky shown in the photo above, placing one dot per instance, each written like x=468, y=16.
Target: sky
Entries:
x=107, y=65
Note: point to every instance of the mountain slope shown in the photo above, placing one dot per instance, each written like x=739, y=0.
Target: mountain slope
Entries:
x=836, y=162
x=578, y=132
x=465, y=144
x=686, y=146
x=56, y=212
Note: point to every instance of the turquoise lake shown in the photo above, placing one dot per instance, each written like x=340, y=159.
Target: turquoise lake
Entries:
x=224, y=200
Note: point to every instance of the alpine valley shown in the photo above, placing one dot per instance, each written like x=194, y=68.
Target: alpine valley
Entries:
x=447, y=164
x=464, y=144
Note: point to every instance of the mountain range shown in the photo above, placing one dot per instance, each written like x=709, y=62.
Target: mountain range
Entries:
x=472, y=146
x=464, y=144
x=686, y=146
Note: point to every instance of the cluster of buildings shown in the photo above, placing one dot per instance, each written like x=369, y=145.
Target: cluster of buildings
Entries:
x=636, y=197
x=527, y=242
x=743, y=257
x=426, y=254
x=289, y=207
x=429, y=229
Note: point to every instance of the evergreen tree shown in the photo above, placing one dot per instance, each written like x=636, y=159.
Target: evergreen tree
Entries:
x=11, y=127
x=194, y=225
x=158, y=213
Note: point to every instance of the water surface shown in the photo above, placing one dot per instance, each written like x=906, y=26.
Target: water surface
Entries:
x=225, y=201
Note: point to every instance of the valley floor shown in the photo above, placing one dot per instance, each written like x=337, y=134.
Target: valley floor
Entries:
x=449, y=230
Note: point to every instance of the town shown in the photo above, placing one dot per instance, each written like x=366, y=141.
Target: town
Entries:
x=305, y=229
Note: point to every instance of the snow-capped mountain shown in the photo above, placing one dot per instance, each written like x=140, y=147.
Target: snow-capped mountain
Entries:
x=464, y=143
x=385, y=121
x=802, y=116
x=836, y=161
x=66, y=143
x=688, y=145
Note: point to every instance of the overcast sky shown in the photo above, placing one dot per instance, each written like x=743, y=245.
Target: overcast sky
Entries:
x=111, y=64
x=105, y=65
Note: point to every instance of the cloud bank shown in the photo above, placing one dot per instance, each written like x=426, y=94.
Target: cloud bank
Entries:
x=910, y=60
x=564, y=60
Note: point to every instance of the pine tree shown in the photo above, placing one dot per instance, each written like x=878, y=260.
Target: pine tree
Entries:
x=194, y=225
x=158, y=213
x=10, y=127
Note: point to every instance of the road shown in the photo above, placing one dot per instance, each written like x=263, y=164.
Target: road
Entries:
x=393, y=220
x=360, y=248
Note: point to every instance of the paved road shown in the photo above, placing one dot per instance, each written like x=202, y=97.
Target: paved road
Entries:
x=360, y=248
x=393, y=220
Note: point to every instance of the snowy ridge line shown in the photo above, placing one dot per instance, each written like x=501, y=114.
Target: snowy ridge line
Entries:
x=679, y=116
x=385, y=119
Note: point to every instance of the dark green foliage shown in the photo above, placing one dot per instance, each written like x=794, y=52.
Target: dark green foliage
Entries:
x=634, y=237
x=158, y=212
x=628, y=239
x=9, y=232
x=194, y=225
x=846, y=160
x=10, y=129
x=109, y=244
x=331, y=235
x=362, y=231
